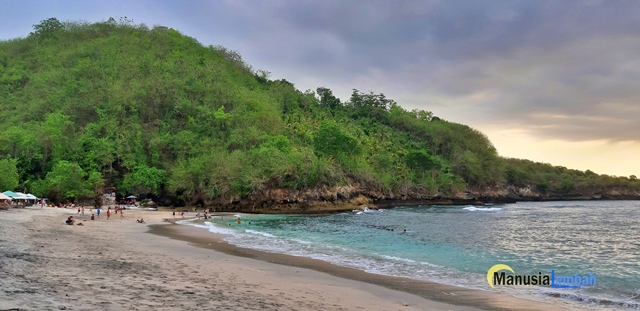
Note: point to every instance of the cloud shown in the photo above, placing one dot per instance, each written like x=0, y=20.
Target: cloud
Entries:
x=562, y=70
x=586, y=88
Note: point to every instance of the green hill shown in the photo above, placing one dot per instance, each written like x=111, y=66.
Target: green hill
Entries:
x=153, y=112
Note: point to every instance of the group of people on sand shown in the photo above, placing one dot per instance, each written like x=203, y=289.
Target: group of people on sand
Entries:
x=117, y=209
x=181, y=214
x=81, y=210
x=71, y=221
x=206, y=215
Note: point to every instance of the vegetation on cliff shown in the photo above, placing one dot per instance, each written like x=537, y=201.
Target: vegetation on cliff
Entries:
x=151, y=111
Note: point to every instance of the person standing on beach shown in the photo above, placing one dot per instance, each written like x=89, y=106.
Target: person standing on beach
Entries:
x=82, y=210
x=108, y=213
x=98, y=212
x=174, y=214
x=182, y=213
x=78, y=210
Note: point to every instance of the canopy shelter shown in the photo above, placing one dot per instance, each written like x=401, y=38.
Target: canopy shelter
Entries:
x=11, y=194
x=31, y=197
x=4, y=197
x=132, y=197
x=21, y=196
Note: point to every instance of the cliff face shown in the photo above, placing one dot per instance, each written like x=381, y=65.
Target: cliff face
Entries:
x=345, y=198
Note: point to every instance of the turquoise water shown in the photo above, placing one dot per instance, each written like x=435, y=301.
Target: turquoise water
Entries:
x=457, y=244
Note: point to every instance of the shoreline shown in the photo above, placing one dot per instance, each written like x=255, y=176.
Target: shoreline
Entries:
x=447, y=294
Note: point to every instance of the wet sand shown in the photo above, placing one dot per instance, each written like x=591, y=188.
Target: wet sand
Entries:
x=117, y=265
x=455, y=296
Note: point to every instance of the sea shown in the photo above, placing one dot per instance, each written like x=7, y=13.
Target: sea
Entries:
x=457, y=245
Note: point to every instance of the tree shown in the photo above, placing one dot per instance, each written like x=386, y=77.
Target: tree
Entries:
x=262, y=76
x=144, y=179
x=53, y=136
x=370, y=105
x=9, y=174
x=222, y=118
x=420, y=160
x=332, y=140
x=47, y=27
x=543, y=186
x=370, y=100
x=278, y=142
x=95, y=184
x=66, y=180
x=327, y=99
x=422, y=114
x=566, y=186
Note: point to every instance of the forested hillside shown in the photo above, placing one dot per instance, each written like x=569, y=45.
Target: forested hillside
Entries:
x=153, y=112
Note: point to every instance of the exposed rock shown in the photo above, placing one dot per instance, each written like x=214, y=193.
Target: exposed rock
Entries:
x=323, y=199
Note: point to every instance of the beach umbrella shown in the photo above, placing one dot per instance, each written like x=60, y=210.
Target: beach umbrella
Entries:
x=132, y=197
x=11, y=194
x=31, y=196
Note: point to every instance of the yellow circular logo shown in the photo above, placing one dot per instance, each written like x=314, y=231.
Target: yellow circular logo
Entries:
x=495, y=269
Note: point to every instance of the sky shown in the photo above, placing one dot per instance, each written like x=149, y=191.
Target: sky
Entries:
x=549, y=81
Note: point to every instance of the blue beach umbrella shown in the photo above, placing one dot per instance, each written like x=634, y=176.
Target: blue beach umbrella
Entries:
x=11, y=194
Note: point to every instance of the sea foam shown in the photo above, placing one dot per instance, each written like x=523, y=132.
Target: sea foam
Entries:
x=482, y=209
x=260, y=233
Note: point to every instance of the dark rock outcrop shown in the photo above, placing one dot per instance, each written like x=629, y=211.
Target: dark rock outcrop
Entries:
x=345, y=198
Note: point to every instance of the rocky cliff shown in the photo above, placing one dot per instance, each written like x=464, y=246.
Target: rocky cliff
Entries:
x=348, y=197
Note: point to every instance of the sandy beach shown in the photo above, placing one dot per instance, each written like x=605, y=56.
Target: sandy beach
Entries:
x=118, y=264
